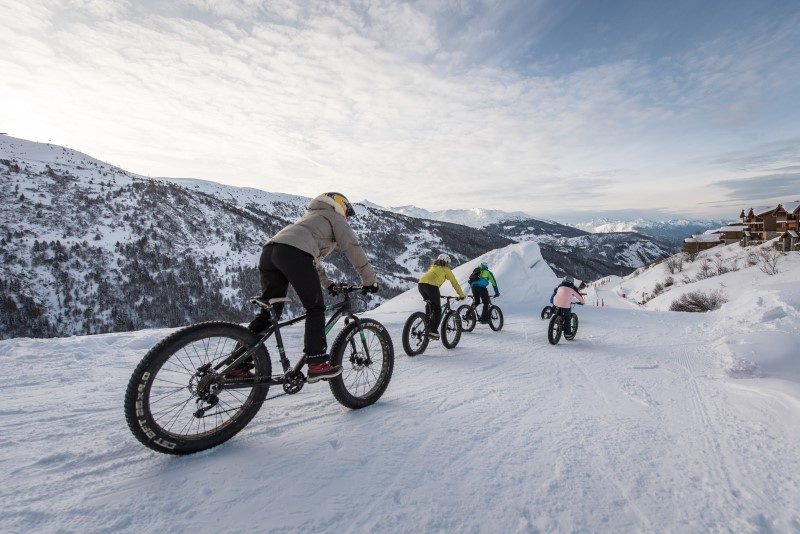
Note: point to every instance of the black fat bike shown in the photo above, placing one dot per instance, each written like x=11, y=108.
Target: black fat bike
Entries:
x=556, y=327
x=415, y=331
x=186, y=395
x=469, y=316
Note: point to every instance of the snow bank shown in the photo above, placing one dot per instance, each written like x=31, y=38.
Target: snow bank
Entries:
x=523, y=277
x=759, y=326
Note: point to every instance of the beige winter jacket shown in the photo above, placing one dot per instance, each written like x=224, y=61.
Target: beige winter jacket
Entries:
x=321, y=231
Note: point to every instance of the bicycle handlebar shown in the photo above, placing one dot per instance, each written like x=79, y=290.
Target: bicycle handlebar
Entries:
x=345, y=288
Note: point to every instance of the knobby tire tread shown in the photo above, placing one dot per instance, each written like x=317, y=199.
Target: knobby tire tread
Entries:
x=189, y=446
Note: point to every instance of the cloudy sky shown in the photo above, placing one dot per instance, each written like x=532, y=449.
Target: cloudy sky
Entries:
x=550, y=107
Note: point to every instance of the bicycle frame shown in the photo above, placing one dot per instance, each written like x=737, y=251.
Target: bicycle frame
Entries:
x=445, y=307
x=472, y=304
x=340, y=309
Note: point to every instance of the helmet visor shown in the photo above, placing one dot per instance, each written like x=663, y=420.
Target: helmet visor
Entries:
x=349, y=210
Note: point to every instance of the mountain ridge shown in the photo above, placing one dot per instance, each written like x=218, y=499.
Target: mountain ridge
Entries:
x=88, y=247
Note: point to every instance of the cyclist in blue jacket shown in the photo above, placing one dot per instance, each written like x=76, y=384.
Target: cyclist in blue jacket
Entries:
x=479, y=281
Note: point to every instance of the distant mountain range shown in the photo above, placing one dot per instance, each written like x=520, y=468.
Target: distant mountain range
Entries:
x=670, y=232
x=87, y=247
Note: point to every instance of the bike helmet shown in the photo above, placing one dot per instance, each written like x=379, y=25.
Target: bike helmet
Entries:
x=483, y=266
x=339, y=203
x=569, y=280
x=443, y=259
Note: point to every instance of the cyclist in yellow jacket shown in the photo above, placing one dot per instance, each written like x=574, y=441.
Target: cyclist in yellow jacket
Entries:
x=429, y=285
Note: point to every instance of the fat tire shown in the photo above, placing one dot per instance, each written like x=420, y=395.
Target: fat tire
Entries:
x=498, y=325
x=468, y=317
x=137, y=401
x=554, y=330
x=445, y=333
x=574, y=328
x=407, y=332
x=338, y=387
x=547, y=312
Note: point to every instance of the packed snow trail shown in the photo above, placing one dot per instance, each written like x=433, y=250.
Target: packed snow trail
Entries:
x=633, y=426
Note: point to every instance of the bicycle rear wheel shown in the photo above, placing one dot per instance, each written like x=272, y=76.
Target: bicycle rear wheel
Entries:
x=554, y=329
x=574, y=322
x=468, y=317
x=450, y=330
x=496, y=318
x=176, y=403
x=547, y=312
x=367, y=360
x=415, y=334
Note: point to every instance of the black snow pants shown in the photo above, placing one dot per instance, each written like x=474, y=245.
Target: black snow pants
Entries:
x=481, y=295
x=432, y=295
x=281, y=265
x=566, y=313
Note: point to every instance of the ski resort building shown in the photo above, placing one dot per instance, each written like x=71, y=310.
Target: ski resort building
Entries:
x=788, y=241
x=769, y=224
x=754, y=228
x=697, y=243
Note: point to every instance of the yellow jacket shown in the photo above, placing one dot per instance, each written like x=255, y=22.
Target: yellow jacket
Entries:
x=436, y=276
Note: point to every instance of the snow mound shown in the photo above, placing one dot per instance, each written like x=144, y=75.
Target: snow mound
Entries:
x=523, y=277
x=760, y=322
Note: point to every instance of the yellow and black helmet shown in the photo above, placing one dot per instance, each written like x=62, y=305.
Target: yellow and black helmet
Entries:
x=339, y=203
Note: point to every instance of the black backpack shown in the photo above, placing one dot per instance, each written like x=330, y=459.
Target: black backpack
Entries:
x=476, y=275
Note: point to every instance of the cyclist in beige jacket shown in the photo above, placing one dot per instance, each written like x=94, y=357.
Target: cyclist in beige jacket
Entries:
x=293, y=256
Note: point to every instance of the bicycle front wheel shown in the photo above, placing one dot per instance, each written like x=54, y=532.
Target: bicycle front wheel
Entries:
x=496, y=318
x=367, y=359
x=468, y=317
x=554, y=329
x=177, y=404
x=450, y=330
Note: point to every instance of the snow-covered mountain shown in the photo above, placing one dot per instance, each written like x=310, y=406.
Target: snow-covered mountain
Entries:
x=569, y=250
x=88, y=247
x=475, y=217
x=669, y=231
x=517, y=225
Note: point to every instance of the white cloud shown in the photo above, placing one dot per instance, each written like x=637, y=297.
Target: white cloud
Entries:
x=355, y=97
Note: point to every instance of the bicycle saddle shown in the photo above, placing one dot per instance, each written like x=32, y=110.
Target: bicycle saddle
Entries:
x=258, y=301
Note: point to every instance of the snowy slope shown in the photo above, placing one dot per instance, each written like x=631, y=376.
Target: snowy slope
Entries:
x=635, y=426
x=760, y=317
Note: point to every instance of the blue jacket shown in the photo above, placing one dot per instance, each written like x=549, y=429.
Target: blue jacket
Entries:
x=485, y=279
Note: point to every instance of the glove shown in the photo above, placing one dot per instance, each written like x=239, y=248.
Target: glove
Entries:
x=370, y=289
x=333, y=290
x=461, y=298
x=496, y=294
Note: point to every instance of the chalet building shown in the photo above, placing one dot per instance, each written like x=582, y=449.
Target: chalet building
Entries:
x=732, y=233
x=755, y=233
x=774, y=222
x=788, y=241
x=696, y=243
x=792, y=218
x=754, y=228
